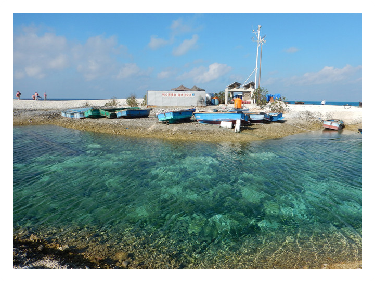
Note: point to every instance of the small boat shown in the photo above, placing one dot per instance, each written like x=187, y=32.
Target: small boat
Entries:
x=133, y=112
x=333, y=124
x=218, y=117
x=78, y=113
x=323, y=102
x=176, y=115
x=258, y=117
x=110, y=112
x=275, y=116
x=92, y=113
x=299, y=102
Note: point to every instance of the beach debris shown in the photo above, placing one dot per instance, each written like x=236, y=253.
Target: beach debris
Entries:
x=237, y=129
x=226, y=124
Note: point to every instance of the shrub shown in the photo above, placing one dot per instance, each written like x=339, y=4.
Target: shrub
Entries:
x=132, y=101
x=144, y=102
x=112, y=102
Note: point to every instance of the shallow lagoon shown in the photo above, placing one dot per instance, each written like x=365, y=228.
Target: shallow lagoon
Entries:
x=287, y=203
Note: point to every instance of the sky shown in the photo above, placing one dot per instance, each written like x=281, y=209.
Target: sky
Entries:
x=306, y=56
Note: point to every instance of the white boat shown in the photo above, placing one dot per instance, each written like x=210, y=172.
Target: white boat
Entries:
x=323, y=102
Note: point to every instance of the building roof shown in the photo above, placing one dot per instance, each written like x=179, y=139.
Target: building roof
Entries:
x=181, y=88
x=248, y=85
x=234, y=85
x=195, y=88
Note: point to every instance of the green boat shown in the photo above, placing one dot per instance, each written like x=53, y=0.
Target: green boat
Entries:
x=92, y=113
x=110, y=112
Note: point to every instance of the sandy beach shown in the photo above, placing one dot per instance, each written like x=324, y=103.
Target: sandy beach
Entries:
x=298, y=119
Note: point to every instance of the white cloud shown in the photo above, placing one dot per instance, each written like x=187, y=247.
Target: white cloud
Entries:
x=35, y=55
x=179, y=27
x=186, y=45
x=59, y=62
x=166, y=74
x=34, y=71
x=215, y=71
x=291, y=50
x=156, y=43
x=19, y=74
x=202, y=74
x=327, y=75
x=128, y=70
x=96, y=57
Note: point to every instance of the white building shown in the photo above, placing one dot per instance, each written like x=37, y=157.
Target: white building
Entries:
x=180, y=96
x=246, y=91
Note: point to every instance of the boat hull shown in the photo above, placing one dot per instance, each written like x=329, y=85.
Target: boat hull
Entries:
x=92, y=113
x=274, y=117
x=110, y=112
x=77, y=113
x=176, y=116
x=333, y=124
x=133, y=113
x=258, y=117
x=218, y=117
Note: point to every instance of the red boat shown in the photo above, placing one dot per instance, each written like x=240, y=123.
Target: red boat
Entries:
x=333, y=124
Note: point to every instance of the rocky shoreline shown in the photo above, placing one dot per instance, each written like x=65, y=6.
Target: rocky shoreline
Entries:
x=188, y=131
x=35, y=253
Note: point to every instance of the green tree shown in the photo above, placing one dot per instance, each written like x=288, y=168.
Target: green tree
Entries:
x=260, y=97
x=221, y=96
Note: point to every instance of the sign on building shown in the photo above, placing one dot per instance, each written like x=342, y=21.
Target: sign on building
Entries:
x=176, y=98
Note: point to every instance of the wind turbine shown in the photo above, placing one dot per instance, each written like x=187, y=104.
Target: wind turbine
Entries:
x=260, y=42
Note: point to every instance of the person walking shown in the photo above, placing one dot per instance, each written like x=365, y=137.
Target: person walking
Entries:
x=18, y=95
x=45, y=96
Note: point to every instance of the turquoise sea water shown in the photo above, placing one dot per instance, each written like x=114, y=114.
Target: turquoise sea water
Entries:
x=287, y=203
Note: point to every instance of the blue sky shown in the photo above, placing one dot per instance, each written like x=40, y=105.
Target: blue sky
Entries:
x=306, y=56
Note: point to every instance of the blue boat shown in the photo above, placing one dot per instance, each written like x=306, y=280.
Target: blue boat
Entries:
x=258, y=117
x=133, y=112
x=275, y=116
x=176, y=115
x=78, y=113
x=218, y=117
